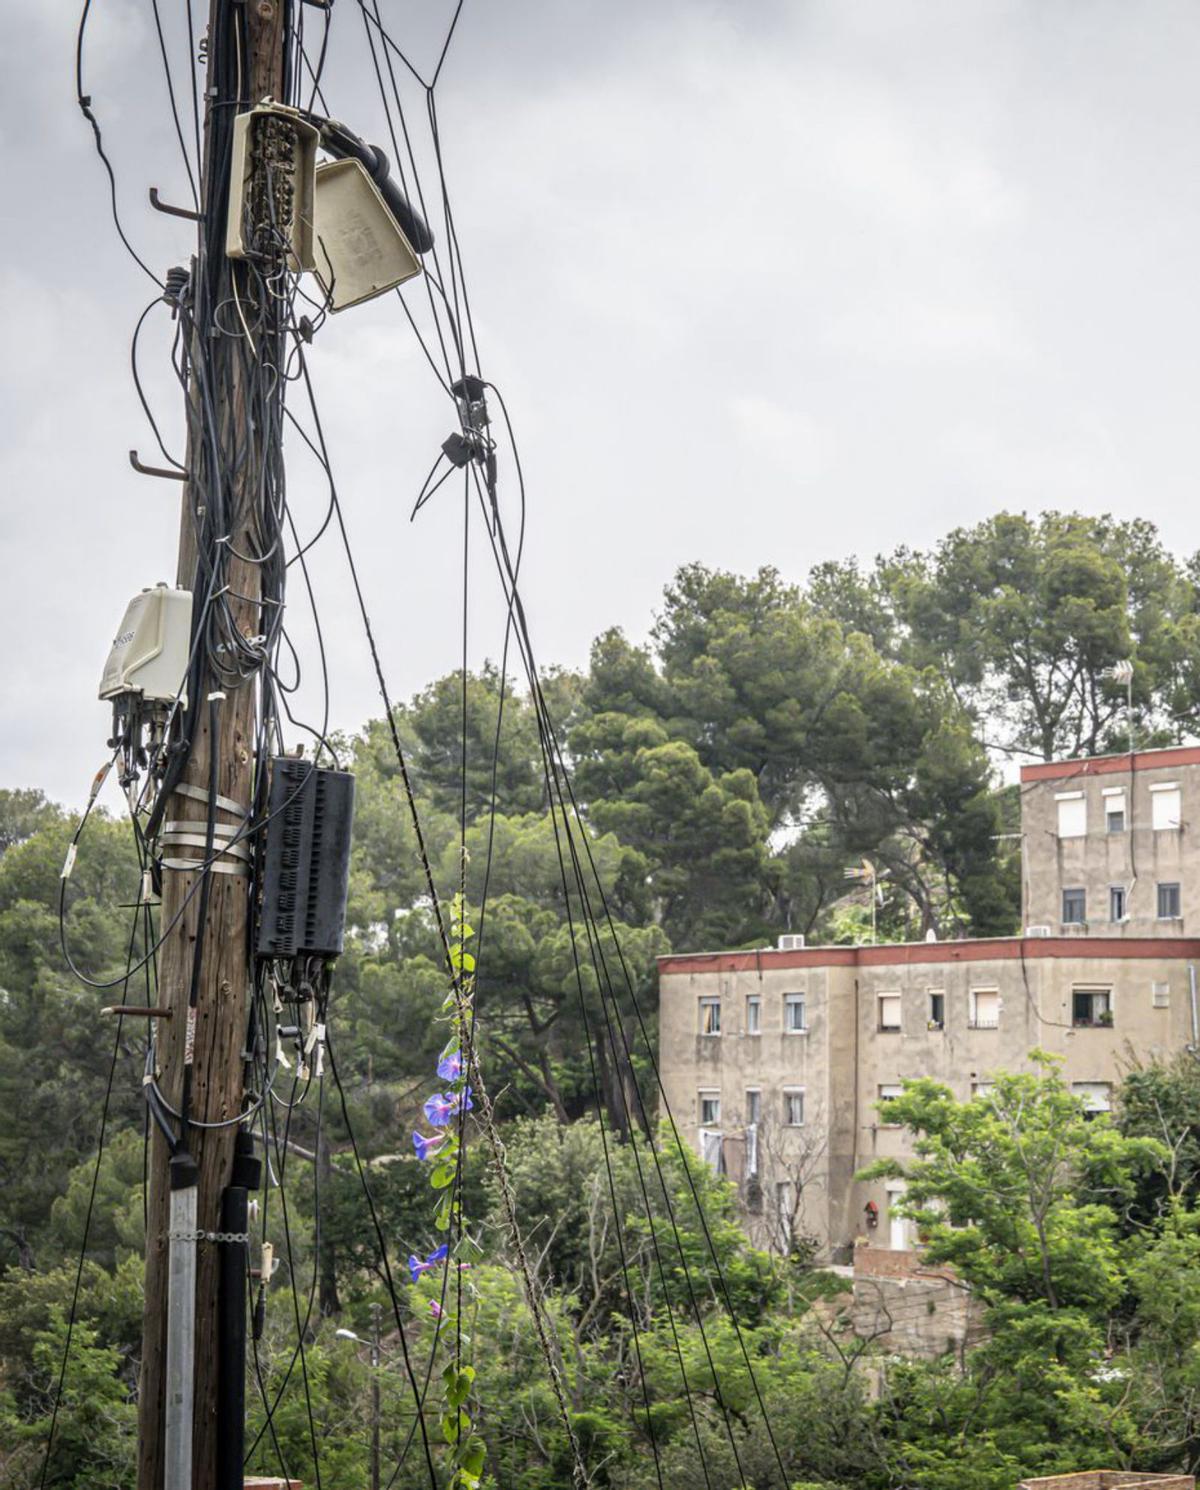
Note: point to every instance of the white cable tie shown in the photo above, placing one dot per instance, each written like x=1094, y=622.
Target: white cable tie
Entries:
x=69, y=861
x=99, y=779
x=320, y=1069
x=147, y=886
x=215, y=696
x=148, y=1079
x=302, y=1073
x=315, y=1036
x=280, y=1056
x=266, y=1265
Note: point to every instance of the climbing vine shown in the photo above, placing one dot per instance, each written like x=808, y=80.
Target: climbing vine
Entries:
x=445, y=1112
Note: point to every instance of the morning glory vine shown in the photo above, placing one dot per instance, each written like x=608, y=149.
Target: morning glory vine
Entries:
x=444, y=1112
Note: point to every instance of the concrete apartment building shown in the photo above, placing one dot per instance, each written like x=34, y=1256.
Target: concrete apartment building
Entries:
x=778, y=1063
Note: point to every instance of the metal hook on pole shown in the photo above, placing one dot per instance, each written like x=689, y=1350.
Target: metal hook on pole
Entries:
x=155, y=470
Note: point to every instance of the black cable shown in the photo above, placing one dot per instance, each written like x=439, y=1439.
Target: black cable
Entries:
x=85, y=105
x=162, y=48
x=418, y=1399
x=91, y=1206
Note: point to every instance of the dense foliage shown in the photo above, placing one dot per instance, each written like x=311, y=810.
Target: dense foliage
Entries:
x=725, y=773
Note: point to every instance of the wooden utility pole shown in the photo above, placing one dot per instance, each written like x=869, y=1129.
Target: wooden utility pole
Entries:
x=219, y=1032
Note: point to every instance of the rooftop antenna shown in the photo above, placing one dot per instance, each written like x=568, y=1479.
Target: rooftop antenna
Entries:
x=1122, y=672
x=868, y=875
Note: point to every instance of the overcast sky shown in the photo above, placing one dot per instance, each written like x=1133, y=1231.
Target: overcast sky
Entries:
x=764, y=282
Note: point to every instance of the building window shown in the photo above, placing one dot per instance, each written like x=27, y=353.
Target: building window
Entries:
x=710, y=1016
x=1072, y=814
x=937, y=1011
x=1114, y=810
x=888, y=1092
x=1116, y=902
x=1074, y=907
x=753, y=1014
x=794, y=1022
x=981, y=1089
x=1166, y=806
x=889, y=1012
x=710, y=1109
x=1096, y=1095
x=753, y=1106
x=1091, y=1008
x=793, y=1108
x=1160, y=995
x=1168, y=903
x=985, y=1009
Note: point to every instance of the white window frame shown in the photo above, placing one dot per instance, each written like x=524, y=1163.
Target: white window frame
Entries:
x=1071, y=821
x=931, y=994
x=1114, y=801
x=1123, y=891
x=708, y=1002
x=1161, y=794
x=1100, y=1090
x=1093, y=990
x=789, y=1093
x=708, y=1095
x=885, y=1096
x=753, y=1118
x=754, y=1001
x=973, y=1008
x=792, y=1001
x=890, y=994
x=982, y=1089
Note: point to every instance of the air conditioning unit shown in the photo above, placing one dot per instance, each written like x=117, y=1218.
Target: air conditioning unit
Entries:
x=1039, y=931
x=790, y=941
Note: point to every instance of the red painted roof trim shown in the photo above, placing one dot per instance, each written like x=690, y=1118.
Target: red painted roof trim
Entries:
x=914, y=954
x=1103, y=765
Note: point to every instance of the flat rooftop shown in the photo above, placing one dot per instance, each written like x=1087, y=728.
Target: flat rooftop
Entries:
x=922, y=954
x=1103, y=765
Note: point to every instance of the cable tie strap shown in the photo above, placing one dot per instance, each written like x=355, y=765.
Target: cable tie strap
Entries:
x=209, y=1236
x=198, y=794
x=190, y=825
x=219, y=867
x=69, y=861
x=175, y=839
x=216, y=696
x=99, y=779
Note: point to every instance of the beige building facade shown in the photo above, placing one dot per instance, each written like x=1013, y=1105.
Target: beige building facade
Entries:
x=1109, y=846
x=778, y=1064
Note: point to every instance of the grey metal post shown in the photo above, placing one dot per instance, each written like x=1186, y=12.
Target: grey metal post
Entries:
x=376, y=1311
x=181, y=1329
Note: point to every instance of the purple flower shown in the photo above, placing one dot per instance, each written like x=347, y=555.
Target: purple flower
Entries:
x=439, y=1109
x=450, y=1066
x=416, y=1267
x=435, y=1308
x=426, y=1146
